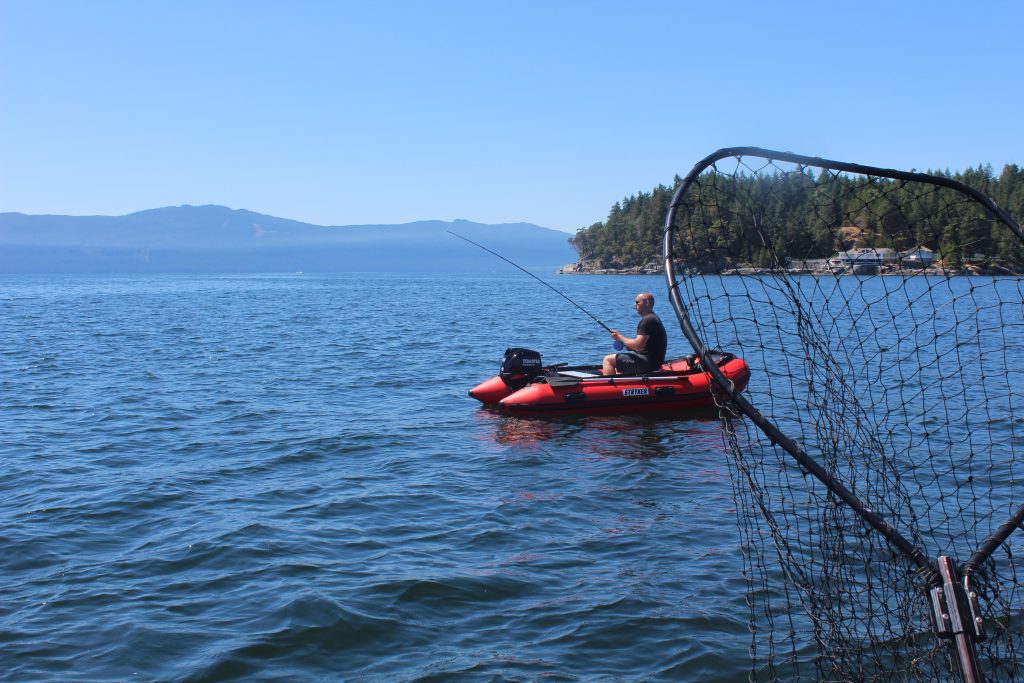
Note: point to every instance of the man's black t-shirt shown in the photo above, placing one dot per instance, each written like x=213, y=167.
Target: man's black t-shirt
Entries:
x=657, y=340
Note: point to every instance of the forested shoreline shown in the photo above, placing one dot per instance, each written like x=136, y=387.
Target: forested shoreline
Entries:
x=807, y=215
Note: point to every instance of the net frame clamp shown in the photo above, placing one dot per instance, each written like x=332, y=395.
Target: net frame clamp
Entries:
x=955, y=606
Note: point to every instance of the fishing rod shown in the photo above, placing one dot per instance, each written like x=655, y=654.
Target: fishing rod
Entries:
x=618, y=345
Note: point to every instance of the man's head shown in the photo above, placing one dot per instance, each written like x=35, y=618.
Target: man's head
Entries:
x=644, y=303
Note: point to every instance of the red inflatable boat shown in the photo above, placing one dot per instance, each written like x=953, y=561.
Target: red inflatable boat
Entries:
x=525, y=387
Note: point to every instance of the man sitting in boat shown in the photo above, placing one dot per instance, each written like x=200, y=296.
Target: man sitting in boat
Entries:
x=646, y=351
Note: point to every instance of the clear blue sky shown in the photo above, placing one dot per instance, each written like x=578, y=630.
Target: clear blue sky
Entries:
x=340, y=113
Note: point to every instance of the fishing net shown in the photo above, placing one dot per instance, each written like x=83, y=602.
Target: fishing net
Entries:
x=882, y=316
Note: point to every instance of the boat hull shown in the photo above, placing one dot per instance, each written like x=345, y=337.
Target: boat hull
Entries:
x=679, y=387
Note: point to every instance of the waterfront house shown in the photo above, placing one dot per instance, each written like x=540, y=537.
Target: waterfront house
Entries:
x=863, y=257
x=918, y=257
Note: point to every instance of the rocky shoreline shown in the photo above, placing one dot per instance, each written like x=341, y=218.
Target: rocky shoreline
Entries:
x=581, y=268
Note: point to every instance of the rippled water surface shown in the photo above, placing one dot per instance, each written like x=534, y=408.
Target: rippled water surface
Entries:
x=282, y=478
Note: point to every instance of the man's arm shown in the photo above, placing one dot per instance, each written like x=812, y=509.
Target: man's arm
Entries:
x=637, y=343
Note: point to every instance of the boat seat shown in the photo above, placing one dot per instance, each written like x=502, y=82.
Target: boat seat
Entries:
x=577, y=374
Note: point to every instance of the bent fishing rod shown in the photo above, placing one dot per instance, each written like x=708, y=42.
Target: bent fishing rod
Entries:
x=556, y=291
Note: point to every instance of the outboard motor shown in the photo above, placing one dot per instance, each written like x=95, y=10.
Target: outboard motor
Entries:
x=519, y=367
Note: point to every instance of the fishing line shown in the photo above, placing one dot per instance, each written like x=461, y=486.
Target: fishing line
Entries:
x=618, y=344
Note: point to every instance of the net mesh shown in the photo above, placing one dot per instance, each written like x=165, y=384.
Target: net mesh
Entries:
x=882, y=316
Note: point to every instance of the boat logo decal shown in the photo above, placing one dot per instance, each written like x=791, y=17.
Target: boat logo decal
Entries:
x=636, y=391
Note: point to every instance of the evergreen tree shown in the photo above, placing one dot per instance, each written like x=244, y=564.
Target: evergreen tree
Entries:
x=800, y=216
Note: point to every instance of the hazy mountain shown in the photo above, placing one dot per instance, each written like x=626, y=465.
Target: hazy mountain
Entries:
x=219, y=239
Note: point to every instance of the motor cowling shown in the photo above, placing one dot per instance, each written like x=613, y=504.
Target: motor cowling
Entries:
x=519, y=367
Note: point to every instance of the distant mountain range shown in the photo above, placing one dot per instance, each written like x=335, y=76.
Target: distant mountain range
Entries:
x=220, y=239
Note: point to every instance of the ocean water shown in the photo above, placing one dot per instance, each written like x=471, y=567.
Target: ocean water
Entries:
x=281, y=477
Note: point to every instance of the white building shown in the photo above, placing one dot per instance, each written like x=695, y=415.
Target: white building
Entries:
x=864, y=257
x=918, y=256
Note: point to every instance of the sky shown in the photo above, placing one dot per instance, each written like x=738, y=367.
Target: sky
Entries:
x=341, y=113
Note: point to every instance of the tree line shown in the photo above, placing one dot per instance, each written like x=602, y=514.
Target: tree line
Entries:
x=754, y=219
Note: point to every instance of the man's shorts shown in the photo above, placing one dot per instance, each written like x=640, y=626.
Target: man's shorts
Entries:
x=631, y=363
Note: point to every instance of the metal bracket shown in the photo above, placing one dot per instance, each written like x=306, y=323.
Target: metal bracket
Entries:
x=955, y=607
